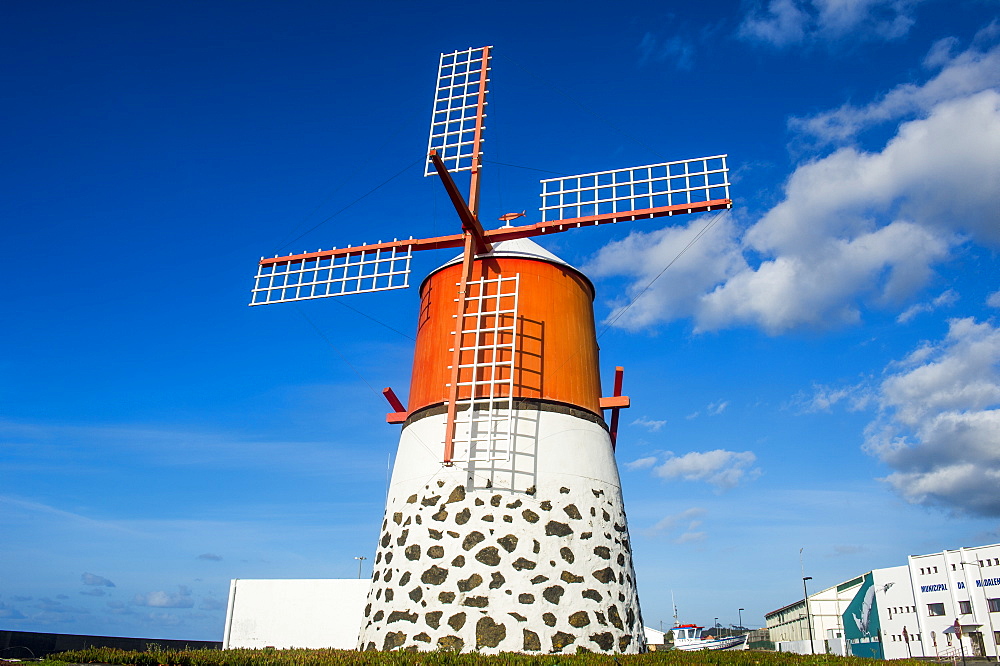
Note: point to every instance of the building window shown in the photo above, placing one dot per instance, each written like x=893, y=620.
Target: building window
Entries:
x=938, y=609
x=994, y=605
x=996, y=637
x=964, y=607
x=953, y=568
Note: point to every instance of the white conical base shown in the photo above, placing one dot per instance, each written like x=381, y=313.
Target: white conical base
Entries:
x=530, y=555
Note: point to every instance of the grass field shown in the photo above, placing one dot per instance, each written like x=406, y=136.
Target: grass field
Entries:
x=267, y=657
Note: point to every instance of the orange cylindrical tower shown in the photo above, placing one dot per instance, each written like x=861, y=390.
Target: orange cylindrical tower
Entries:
x=556, y=358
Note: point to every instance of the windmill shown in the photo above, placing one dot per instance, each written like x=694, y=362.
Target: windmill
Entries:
x=504, y=525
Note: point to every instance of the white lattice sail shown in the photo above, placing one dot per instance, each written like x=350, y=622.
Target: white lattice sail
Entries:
x=645, y=187
x=459, y=108
x=334, y=273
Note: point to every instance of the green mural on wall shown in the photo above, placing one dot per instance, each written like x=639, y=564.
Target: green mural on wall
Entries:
x=861, y=624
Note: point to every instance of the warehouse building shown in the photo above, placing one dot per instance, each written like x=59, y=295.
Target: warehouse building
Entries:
x=936, y=605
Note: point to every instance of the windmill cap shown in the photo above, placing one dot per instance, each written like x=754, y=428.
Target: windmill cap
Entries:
x=520, y=248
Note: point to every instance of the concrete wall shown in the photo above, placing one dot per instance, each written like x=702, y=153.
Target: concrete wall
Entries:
x=295, y=613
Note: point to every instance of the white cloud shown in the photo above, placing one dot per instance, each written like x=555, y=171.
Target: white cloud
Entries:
x=161, y=599
x=688, y=517
x=939, y=421
x=854, y=227
x=650, y=424
x=786, y=22
x=642, y=463
x=857, y=397
x=723, y=469
x=993, y=300
x=962, y=75
x=676, y=50
x=694, y=269
x=94, y=579
x=210, y=556
x=717, y=408
x=947, y=298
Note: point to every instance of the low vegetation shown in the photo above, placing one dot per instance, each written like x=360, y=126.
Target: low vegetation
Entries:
x=270, y=657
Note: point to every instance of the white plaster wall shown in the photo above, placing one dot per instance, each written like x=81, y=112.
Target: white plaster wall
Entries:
x=530, y=554
x=295, y=613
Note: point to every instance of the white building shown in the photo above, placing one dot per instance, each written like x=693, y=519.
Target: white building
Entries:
x=911, y=610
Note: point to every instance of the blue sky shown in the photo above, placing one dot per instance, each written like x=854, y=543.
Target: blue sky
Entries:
x=819, y=371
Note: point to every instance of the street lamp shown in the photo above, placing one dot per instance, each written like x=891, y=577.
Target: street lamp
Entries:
x=361, y=560
x=805, y=600
x=741, y=618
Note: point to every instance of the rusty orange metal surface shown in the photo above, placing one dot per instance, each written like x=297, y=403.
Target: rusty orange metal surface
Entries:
x=557, y=353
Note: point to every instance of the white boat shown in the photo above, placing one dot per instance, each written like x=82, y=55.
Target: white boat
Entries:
x=689, y=637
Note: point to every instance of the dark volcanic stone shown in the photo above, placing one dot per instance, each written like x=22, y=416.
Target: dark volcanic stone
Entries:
x=401, y=616
x=579, y=619
x=528, y=515
x=605, y=575
x=535, y=546
x=623, y=642
x=497, y=580
x=436, y=552
x=397, y=517
x=509, y=542
x=435, y=534
x=472, y=582
x=411, y=499
x=476, y=602
x=495, y=500
x=489, y=556
x=459, y=561
x=450, y=644
x=531, y=641
x=472, y=539
x=430, y=501
x=567, y=555
x=405, y=578
x=440, y=515
x=546, y=505
x=433, y=619
x=457, y=621
x=434, y=576
x=553, y=593
x=393, y=640
x=462, y=517
x=602, y=552
x=526, y=598
x=555, y=528
x=518, y=616
x=561, y=639
x=489, y=633
x=446, y=597
x=605, y=640
x=616, y=619
x=515, y=504
x=539, y=579
x=572, y=511
x=422, y=637
x=586, y=535
x=549, y=619
x=568, y=577
x=412, y=552
x=600, y=618
x=564, y=490
x=522, y=563
x=489, y=519
x=417, y=593
x=592, y=594
x=457, y=495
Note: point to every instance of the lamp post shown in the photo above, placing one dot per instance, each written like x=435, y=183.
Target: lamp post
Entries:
x=361, y=560
x=805, y=600
x=741, y=618
x=715, y=627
